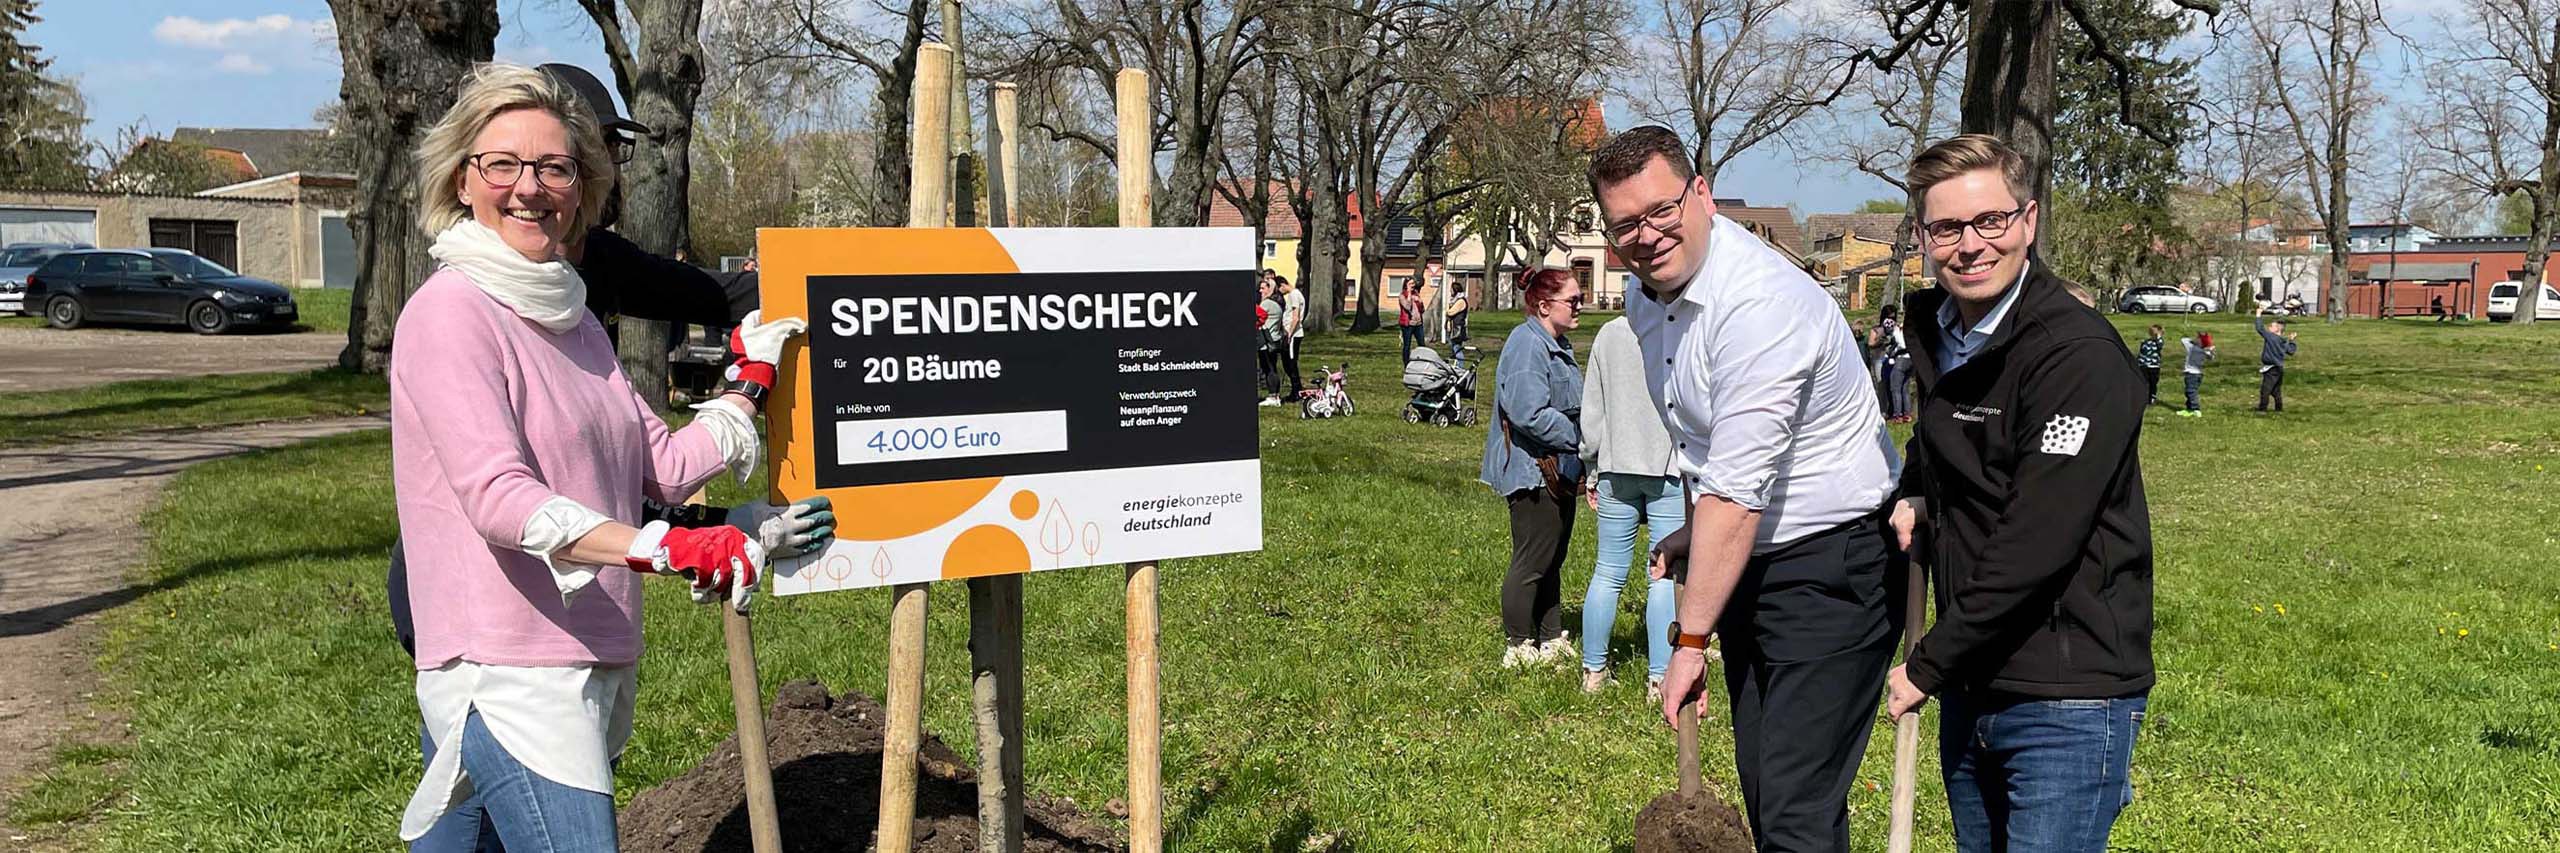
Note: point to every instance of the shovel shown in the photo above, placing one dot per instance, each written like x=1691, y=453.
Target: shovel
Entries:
x=1906, y=728
x=764, y=825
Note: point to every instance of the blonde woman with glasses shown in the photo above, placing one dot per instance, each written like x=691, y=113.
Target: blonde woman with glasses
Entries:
x=520, y=458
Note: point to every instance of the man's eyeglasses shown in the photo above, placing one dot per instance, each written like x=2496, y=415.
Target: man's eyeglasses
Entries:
x=1662, y=218
x=1945, y=232
x=501, y=169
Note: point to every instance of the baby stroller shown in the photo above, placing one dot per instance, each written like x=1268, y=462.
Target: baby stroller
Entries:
x=1331, y=399
x=1440, y=390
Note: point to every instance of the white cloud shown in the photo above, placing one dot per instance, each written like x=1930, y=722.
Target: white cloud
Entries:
x=240, y=63
x=227, y=33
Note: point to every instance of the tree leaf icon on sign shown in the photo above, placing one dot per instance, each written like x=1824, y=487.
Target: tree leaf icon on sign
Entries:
x=880, y=565
x=1057, y=533
x=839, y=567
x=1092, y=540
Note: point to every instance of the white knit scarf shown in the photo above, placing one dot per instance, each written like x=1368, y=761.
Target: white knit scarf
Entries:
x=550, y=294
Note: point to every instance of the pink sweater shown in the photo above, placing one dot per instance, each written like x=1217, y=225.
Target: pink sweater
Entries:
x=491, y=415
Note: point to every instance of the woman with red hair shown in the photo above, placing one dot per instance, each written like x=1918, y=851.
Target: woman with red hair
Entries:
x=1532, y=458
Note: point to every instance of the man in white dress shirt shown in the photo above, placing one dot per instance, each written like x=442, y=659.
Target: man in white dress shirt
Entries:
x=1787, y=467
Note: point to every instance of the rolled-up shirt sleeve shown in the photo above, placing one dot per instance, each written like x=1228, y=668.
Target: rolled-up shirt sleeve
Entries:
x=1761, y=365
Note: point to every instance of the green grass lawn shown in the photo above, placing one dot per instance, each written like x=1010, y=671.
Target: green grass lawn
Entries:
x=2359, y=634
x=42, y=417
x=323, y=309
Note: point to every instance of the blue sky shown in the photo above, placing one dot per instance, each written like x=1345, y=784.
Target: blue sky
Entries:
x=271, y=63
x=244, y=63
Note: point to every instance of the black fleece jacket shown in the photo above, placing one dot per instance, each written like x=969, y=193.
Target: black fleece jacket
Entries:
x=2038, y=538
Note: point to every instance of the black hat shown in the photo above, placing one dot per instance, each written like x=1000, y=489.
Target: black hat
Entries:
x=599, y=99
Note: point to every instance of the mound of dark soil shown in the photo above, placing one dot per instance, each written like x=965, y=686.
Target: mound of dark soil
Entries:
x=825, y=752
x=1700, y=824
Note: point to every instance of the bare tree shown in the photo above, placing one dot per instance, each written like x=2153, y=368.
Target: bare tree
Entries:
x=2496, y=129
x=1193, y=52
x=402, y=61
x=823, y=36
x=2009, y=77
x=1245, y=164
x=2242, y=162
x=1745, y=74
x=1527, y=153
x=1914, y=105
x=2313, y=59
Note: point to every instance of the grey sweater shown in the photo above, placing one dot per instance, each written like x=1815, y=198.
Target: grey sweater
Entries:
x=1622, y=433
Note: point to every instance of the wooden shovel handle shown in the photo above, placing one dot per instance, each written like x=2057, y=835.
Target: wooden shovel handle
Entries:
x=1906, y=728
x=1690, y=784
x=764, y=825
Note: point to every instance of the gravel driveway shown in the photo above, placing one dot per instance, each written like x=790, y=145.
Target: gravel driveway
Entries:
x=43, y=359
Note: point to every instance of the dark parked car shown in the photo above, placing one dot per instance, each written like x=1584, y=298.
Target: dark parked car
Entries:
x=16, y=261
x=154, y=286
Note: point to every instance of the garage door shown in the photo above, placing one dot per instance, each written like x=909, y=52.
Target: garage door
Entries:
x=337, y=252
x=47, y=225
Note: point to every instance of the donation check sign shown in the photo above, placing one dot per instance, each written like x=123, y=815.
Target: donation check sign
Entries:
x=996, y=401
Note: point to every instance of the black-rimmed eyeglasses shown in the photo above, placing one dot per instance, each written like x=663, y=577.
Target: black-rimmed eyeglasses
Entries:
x=1662, y=219
x=501, y=169
x=1945, y=232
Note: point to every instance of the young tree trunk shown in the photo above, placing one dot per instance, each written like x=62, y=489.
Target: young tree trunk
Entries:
x=402, y=60
x=2008, y=84
x=660, y=79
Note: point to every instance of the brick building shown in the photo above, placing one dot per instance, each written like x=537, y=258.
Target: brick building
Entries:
x=2458, y=270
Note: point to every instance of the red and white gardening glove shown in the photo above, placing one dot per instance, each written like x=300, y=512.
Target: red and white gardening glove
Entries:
x=721, y=561
x=757, y=346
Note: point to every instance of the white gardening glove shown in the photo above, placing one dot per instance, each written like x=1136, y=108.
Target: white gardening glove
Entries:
x=802, y=526
x=760, y=342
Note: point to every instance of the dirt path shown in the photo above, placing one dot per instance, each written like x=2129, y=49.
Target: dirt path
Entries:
x=39, y=359
x=68, y=548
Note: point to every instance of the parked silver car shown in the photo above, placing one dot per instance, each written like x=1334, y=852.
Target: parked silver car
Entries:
x=16, y=261
x=2162, y=299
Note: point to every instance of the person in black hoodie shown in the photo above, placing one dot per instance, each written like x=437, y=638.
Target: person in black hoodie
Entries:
x=2023, y=495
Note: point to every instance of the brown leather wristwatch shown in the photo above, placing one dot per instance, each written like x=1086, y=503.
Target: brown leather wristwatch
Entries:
x=1690, y=641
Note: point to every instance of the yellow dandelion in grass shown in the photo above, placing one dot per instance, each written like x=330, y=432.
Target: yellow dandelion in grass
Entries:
x=2439, y=632
x=2555, y=647
x=2257, y=608
x=2279, y=609
x=2462, y=632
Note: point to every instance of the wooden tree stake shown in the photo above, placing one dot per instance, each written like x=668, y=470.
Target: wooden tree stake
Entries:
x=929, y=144
x=1146, y=764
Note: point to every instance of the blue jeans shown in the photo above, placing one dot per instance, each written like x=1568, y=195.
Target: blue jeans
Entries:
x=2195, y=389
x=2036, y=776
x=1897, y=387
x=1412, y=338
x=1625, y=501
x=511, y=808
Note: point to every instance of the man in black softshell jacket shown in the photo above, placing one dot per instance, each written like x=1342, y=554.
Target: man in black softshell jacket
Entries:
x=2023, y=485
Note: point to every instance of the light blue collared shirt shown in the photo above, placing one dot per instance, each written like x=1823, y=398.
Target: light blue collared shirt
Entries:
x=1964, y=344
